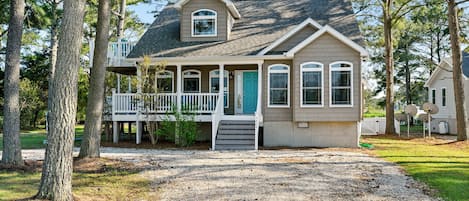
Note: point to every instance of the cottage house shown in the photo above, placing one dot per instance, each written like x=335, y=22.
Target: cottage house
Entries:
x=269, y=72
x=441, y=93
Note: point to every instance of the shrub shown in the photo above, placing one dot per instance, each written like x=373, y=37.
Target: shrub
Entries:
x=184, y=126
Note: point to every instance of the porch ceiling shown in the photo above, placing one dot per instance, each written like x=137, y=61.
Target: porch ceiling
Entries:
x=123, y=70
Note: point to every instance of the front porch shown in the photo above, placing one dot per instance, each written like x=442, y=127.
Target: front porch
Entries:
x=189, y=88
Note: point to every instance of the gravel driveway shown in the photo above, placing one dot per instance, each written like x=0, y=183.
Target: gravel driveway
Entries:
x=268, y=175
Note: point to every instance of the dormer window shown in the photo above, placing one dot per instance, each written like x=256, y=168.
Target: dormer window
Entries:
x=204, y=23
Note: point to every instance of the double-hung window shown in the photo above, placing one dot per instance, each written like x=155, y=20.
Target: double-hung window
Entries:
x=433, y=96
x=191, y=81
x=164, y=82
x=341, y=81
x=215, y=84
x=279, y=85
x=204, y=23
x=311, y=84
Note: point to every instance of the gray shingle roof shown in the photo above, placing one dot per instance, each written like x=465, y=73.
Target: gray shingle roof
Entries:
x=465, y=63
x=262, y=22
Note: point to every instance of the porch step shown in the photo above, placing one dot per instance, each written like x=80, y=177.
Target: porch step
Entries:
x=236, y=135
x=237, y=127
x=235, y=147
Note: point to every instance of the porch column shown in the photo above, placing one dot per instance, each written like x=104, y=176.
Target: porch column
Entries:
x=115, y=132
x=259, y=86
x=221, y=91
x=118, y=83
x=129, y=87
x=138, y=137
x=179, y=87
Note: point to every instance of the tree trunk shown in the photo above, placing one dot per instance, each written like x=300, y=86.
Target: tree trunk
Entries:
x=432, y=64
x=11, y=111
x=56, y=180
x=408, y=93
x=390, y=129
x=94, y=109
x=54, y=34
x=121, y=20
x=459, y=97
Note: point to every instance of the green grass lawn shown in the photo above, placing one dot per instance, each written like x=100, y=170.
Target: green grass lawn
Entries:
x=374, y=113
x=443, y=166
x=33, y=139
x=413, y=129
x=111, y=184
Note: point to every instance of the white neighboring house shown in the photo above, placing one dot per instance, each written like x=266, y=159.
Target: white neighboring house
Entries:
x=441, y=93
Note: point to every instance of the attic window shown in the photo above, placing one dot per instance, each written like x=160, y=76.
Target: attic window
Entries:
x=204, y=23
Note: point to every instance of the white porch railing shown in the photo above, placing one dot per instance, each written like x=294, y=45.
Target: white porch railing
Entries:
x=216, y=118
x=116, y=54
x=128, y=103
x=199, y=102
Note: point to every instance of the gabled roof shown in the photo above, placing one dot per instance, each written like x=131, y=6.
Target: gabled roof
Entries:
x=447, y=65
x=334, y=33
x=307, y=22
x=263, y=22
x=229, y=4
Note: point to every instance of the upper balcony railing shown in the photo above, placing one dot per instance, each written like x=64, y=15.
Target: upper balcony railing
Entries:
x=116, y=54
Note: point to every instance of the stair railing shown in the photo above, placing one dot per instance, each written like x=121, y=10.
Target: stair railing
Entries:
x=258, y=119
x=216, y=118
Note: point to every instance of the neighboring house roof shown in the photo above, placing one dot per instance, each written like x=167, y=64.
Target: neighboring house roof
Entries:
x=263, y=22
x=447, y=65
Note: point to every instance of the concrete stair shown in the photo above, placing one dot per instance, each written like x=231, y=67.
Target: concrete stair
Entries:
x=236, y=135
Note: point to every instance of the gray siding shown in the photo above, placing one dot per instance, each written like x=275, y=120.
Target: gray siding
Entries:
x=327, y=50
x=222, y=19
x=318, y=134
x=276, y=114
x=295, y=39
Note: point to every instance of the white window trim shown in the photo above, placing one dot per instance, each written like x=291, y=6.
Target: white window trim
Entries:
x=431, y=96
x=204, y=18
x=446, y=97
x=351, y=84
x=268, y=85
x=301, y=84
x=166, y=76
x=191, y=76
x=225, y=74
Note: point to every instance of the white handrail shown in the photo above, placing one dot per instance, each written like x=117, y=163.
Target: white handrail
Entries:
x=118, y=51
x=258, y=119
x=216, y=118
x=128, y=103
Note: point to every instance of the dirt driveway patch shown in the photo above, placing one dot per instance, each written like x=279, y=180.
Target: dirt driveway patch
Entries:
x=270, y=175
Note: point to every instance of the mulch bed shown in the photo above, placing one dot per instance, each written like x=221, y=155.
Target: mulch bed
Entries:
x=159, y=145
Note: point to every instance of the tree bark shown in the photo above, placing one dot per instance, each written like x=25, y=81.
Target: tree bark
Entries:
x=54, y=34
x=121, y=21
x=457, y=71
x=408, y=93
x=11, y=111
x=56, y=180
x=94, y=110
x=390, y=129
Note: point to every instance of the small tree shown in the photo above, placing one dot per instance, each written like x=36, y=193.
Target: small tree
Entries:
x=147, y=98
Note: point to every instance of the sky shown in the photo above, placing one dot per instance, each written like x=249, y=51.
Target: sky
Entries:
x=143, y=10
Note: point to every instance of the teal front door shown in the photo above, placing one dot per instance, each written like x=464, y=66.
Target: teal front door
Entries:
x=249, y=92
